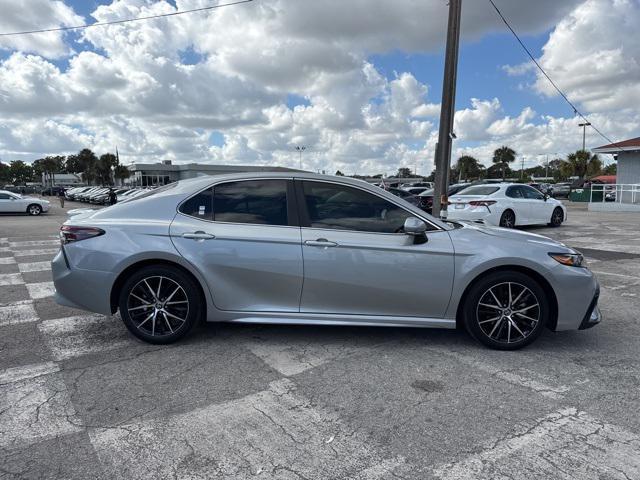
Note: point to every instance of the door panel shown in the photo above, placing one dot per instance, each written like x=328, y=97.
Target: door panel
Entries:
x=248, y=267
x=376, y=274
x=239, y=235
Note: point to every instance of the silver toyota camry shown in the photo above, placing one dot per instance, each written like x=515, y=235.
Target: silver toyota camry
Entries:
x=312, y=249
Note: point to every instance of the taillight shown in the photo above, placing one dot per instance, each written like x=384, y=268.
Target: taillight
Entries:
x=481, y=203
x=69, y=233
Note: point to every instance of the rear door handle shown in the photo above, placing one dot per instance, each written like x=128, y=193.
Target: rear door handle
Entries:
x=198, y=235
x=321, y=242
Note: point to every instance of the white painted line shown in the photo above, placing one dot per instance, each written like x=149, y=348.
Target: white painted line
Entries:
x=35, y=408
x=34, y=267
x=537, y=385
x=82, y=335
x=11, y=279
x=40, y=290
x=271, y=433
x=292, y=358
x=19, y=312
x=566, y=444
x=5, y=249
x=37, y=251
x=615, y=275
x=7, y=261
x=33, y=243
x=17, y=374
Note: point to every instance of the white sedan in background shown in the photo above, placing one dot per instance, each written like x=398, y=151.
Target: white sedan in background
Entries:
x=15, y=203
x=506, y=205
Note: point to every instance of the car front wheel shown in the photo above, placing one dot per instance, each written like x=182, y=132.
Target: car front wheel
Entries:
x=557, y=217
x=160, y=304
x=34, y=209
x=505, y=310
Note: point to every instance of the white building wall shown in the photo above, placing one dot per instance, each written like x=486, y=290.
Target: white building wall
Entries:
x=628, y=167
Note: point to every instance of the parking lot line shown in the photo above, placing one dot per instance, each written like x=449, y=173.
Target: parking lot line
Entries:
x=616, y=275
x=566, y=444
x=40, y=290
x=32, y=243
x=34, y=267
x=11, y=279
x=37, y=251
x=7, y=261
x=17, y=374
x=18, y=312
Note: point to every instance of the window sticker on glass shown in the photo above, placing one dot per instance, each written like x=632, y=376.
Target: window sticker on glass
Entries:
x=201, y=210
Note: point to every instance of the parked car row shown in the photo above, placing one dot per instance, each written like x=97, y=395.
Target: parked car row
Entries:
x=100, y=195
x=501, y=204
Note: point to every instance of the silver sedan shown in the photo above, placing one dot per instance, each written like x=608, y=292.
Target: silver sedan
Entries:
x=312, y=249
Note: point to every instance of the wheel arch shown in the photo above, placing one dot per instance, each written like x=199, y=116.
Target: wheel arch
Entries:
x=515, y=215
x=122, y=277
x=546, y=286
x=34, y=204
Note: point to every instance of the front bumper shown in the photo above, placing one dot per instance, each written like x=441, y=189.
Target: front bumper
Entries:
x=593, y=315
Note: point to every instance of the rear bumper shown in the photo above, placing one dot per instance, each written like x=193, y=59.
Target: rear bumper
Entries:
x=79, y=288
x=480, y=215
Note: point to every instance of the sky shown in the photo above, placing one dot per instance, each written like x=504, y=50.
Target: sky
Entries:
x=357, y=82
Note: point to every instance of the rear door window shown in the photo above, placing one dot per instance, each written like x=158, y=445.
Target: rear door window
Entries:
x=261, y=202
x=200, y=205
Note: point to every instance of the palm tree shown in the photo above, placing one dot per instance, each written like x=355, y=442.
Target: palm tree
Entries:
x=503, y=156
x=121, y=172
x=582, y=164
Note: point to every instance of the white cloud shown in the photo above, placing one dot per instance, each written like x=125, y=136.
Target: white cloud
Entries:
x=21, y=15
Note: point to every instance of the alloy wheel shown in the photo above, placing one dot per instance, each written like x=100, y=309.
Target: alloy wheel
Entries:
x=158, y=306
x=508, y=220
x=557, y=217
x=508, y=312
x=34, y=210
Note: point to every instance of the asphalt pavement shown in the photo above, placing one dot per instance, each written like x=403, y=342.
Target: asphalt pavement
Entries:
x=80, y=398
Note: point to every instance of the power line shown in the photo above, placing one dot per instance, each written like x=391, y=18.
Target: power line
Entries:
x=562, y=94
x=126, y=20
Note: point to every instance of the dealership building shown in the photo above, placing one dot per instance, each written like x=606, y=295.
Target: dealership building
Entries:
x=151, y=174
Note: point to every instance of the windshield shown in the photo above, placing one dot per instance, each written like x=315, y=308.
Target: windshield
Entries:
x=479, y=190
x=427, y=192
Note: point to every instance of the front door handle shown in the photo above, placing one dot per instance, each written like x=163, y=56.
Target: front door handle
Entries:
x=321, y=242
x=199, y=235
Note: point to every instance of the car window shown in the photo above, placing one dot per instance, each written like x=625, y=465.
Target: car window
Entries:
x=531, y=193
x=479, y=190
x=251, y=201
x=514, y=192
x=4, y=196
x=347, y=208
x=200, y=205
x=399, y=192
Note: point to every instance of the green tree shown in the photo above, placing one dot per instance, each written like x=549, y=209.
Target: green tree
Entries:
x=339, y=174
x=121, y=172
x=84, y=163
x=468, y=167
x=404, y=172
x=5, y=174
x=611, y=169
x=20, y=173
x=582, y=164
x=104, y=168
x=502, y=157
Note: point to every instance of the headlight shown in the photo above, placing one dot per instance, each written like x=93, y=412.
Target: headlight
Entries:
x=569, y=259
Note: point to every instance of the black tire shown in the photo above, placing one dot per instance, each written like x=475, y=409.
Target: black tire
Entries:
x=34, y=209
x=499, y=334
x=557, y=217
x=163, y=328
x=508, y=219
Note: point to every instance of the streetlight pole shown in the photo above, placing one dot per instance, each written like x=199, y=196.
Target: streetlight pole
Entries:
x=584, y=132
x=300, y=149
x=447, y=111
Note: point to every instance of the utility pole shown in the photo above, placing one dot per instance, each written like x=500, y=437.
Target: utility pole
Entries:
x=300, y=149
x=447, y=110
x=522, y=169
x=584, y=132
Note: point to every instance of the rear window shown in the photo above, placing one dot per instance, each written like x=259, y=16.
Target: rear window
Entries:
x=479, y=190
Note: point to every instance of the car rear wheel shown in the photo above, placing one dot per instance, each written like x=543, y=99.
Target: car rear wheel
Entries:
x=508, y=219
x=34, y=209
x=506, y=310
x=557, y=217
x=160, y=304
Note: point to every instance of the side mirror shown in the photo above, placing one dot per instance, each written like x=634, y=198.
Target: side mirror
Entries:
x=546, y=197
x=414, y=226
